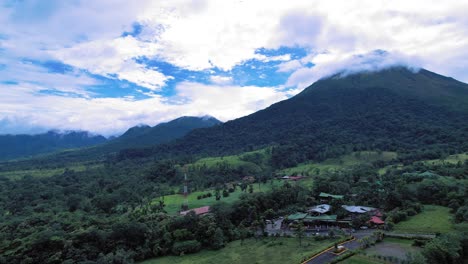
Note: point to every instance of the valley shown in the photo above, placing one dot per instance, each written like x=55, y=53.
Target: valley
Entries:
x=363, y=155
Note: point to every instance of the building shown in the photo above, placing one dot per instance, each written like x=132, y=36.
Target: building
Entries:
x=319, y=209
x=326, y=197
x=354, y=209
x=377, y=221
x=198, y=211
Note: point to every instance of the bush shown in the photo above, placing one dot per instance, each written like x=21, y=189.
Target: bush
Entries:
x=419, y=243
x=184, y=247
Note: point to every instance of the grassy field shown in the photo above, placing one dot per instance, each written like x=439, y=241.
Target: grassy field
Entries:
x=267, y=250
x=394, y=247
x=44, y=173
x=433, y=219
x=450, y=159
x=263, y=155
x=360, y=259
x=362, y=157
x=173, y=202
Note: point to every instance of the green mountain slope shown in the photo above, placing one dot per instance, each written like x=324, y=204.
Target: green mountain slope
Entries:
x=392, y=110
x=144, y=136
x=20, y=146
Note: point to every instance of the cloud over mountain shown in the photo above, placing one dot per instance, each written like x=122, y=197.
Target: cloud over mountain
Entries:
x=108, y=65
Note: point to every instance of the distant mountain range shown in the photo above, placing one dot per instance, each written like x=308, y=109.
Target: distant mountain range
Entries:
x=21, y=146
x=395, y=109
x=18, y=146
x=145, y=136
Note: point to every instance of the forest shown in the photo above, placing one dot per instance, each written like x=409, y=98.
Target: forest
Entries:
x=115, y=214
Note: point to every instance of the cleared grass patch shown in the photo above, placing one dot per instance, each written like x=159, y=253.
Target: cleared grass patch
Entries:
x=453, y=159
x=174, y=202
x=331, y=165
x=267, y=250
x=360, y=259
x=433, y=219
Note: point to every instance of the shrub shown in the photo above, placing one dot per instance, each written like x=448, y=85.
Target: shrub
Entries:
x=189, y=246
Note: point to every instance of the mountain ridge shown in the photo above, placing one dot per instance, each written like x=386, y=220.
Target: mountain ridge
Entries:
x=23, y=145
x=328, y=119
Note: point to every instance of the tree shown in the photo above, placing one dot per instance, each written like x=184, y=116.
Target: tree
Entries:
x=243, y=186
x=242, y=232
x=300, y=231
x=250, y=188
x=218, y=239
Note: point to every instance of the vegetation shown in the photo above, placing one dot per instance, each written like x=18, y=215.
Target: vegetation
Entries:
x=20, y=146
x=122, y=207
x=340, y=163
x=432, y=219
x=268, y=250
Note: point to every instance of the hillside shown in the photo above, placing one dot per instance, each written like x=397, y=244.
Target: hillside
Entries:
x=392, y=110
x=144, y=136
x=20, y=146
x=136, y=137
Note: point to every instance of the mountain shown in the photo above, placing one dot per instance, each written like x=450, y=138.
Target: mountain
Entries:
x=145, y=136
x=395, y=109
x=19, y=146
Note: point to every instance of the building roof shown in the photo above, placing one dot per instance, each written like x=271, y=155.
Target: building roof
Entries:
x=297, y=216
x=327, y=195
x=376, y=220
x=357, y=209
x=321, y=208
x=295, y=178
x=327, y=218
x=198, y=211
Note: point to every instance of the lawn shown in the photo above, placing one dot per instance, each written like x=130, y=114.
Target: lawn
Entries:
x=330, y=165
x=173, y=202
x=267, y=250
x=433, y=219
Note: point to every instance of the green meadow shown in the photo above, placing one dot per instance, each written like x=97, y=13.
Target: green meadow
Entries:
x=174, y=202
x=343, y=162
x=433, y=219
x=266, y=250
x=44, y=173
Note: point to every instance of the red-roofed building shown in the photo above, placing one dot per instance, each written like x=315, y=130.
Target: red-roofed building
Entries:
x=376, y=220
x=198, y=211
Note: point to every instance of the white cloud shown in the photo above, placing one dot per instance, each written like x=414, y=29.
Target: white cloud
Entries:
x=217, y=79
x=203, y=35
x=111, y=115
x=115, y=57
x=289, y=66
x=329, y=63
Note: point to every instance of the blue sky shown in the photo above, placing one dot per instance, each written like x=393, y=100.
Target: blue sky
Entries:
x=109, y=65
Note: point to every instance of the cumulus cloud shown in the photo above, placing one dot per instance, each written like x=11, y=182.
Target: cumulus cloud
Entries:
x=217, y=79
x=327, y=64
x=99, y=38
x=109, y=116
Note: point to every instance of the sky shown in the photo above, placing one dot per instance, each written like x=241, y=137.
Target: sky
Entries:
x=104, y=66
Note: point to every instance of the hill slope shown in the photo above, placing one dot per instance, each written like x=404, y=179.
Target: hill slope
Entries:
x=144, y=136
x=394, y=110
x=17, y=146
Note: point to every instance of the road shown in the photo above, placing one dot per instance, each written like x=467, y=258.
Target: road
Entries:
x=353, y=244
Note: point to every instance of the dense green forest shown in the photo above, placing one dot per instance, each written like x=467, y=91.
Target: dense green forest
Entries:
x=107, y=216
x=112, y=210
